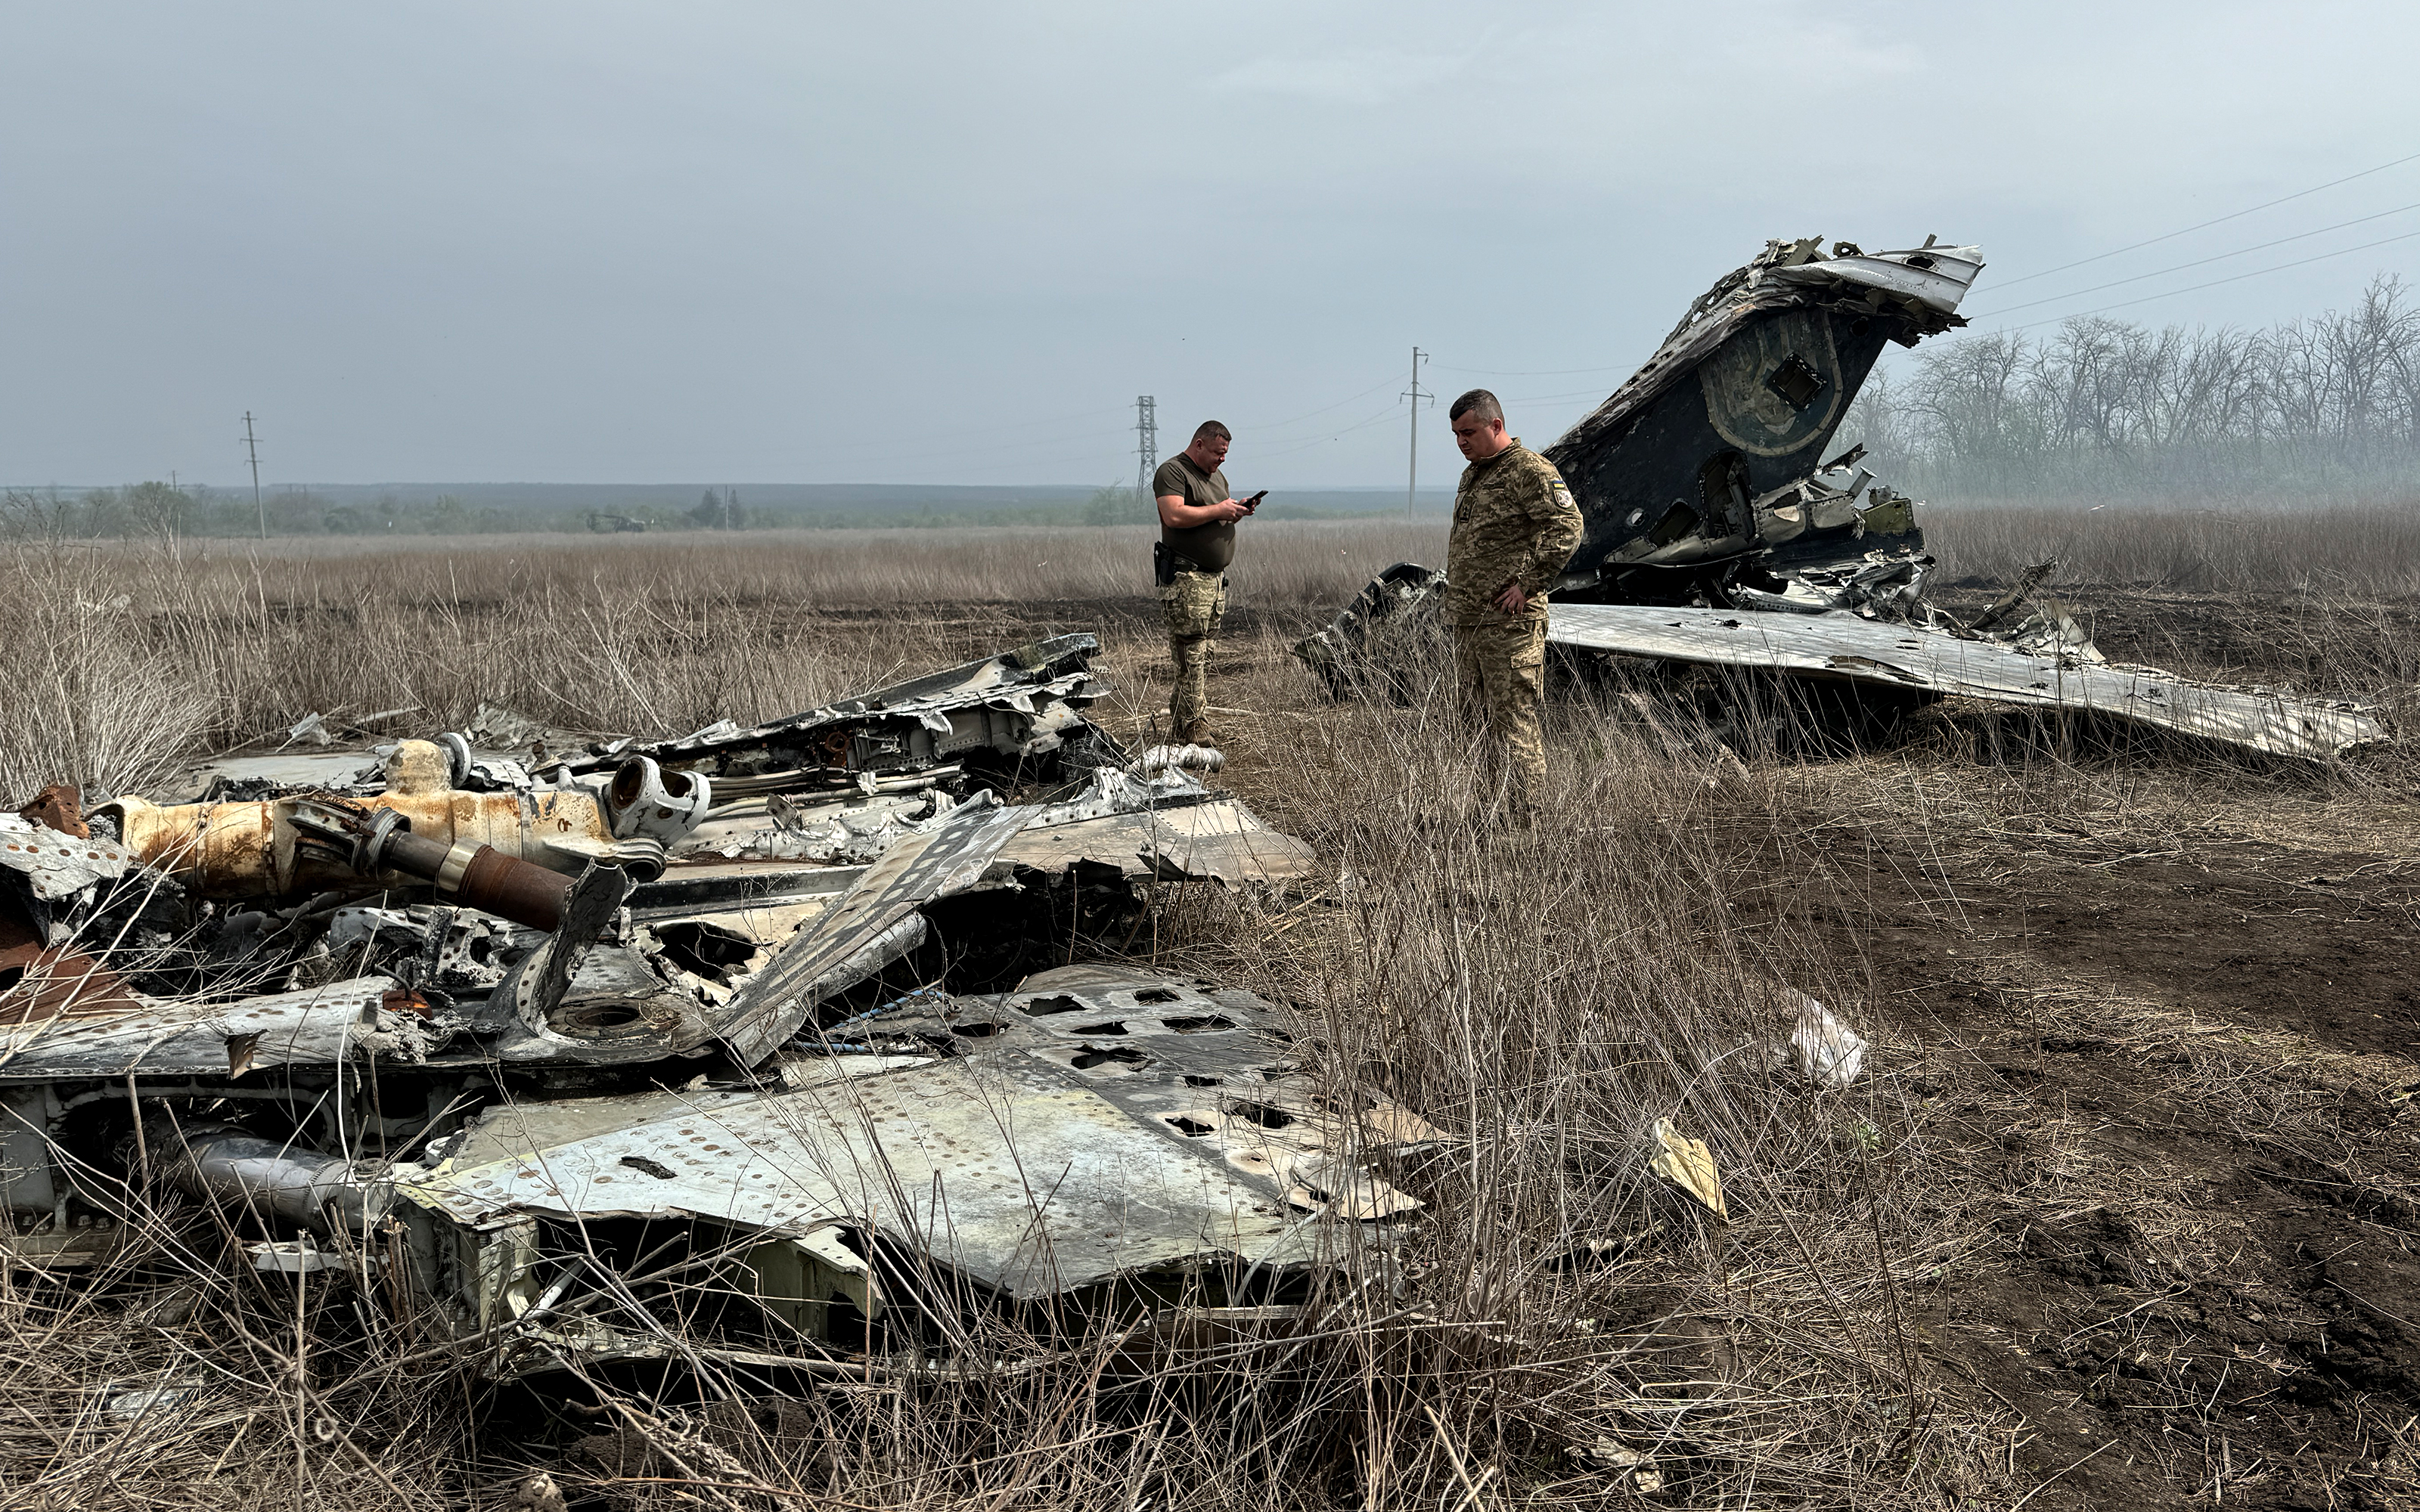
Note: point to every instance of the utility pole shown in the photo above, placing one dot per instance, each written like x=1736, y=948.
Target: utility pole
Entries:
x=1146, y=448
x=1416, y=393
x=252, y=449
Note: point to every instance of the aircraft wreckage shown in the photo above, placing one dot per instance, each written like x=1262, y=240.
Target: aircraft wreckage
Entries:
x=767, y=1044
x=1718, y=534
x=727, y=1045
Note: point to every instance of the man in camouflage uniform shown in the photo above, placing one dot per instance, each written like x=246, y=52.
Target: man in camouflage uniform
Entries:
x=1196, y=540
x=1514, y=526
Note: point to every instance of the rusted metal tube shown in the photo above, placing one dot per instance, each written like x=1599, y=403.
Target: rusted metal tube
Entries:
x=414, y=855
x=274, y=846
x=482, y=877
x=512, y=889
x=238, y=850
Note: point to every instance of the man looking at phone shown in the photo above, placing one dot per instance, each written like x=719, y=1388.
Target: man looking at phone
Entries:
x=1196, y=540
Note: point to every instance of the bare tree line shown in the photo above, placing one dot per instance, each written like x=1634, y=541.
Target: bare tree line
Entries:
x=2325, y=408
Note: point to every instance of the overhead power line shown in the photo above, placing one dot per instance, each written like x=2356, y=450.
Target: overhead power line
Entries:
x=996, y=447
x=1545, y=372
x=954, y=432
x=1339, y=403
x=1392, y=410
x=2198, y=262
x=1542, y=398
x=2299, y=262
x=2237, y=215
x=1389, y=413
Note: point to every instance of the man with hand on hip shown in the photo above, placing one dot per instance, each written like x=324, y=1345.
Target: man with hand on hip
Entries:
x=1515, y=527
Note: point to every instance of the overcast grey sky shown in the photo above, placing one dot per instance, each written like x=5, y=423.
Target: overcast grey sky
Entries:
x=950, y=242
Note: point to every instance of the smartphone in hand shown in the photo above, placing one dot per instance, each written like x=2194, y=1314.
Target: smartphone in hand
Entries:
x=1254, y=501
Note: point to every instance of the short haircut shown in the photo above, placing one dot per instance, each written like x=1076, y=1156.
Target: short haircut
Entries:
x=1212, y=427
x=1479, y=400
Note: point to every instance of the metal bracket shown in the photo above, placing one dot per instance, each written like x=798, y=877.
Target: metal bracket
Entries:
x=540, y=981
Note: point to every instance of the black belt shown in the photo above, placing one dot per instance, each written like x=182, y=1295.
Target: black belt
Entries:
x=1166, y=563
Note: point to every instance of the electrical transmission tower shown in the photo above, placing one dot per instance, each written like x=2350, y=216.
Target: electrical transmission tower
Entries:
x=252, y=449
x=1416, y=393
x=1146, y=448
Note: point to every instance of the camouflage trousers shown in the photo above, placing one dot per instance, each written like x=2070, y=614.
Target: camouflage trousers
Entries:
x=1192, y=607
x=1499, y=667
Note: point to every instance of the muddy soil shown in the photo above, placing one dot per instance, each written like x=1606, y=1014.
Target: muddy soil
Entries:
x=2171, y=1109
x=2165, y=1079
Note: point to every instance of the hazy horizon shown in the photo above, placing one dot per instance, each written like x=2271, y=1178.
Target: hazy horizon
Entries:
x=951, y=246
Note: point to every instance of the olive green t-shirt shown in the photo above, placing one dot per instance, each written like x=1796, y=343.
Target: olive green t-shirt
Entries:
x=1208, y=547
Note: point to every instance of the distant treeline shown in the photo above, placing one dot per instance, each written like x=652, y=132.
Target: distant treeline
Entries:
x=163, y=513
x=2320, y=408
x=159, y=511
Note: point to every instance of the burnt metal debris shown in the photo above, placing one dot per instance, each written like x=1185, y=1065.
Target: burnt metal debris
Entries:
x=495, y=1012
x=1718, y=534
x=1705, y=468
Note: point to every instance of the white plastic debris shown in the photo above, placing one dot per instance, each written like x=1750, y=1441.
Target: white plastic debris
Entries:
x=1824, y=1050
x=126, y=1406
x=298, y=1257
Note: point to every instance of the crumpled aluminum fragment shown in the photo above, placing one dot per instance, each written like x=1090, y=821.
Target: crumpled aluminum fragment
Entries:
x=500, y=727
x=1603, y=1453
x=1113, y=791
x=854, y=836
x=175, y=1394
x=353, y=928
x=2051, y=631
x=312, y=728
x=58, y=865
x=1200, y=758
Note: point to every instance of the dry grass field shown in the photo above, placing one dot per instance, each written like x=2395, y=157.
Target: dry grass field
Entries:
x=2121, y=1215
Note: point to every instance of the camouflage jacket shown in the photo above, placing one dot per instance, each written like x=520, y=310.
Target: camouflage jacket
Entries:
x=1513, y=521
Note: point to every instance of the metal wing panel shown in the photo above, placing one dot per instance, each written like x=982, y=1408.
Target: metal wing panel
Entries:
x=1850, y=646
x=1003, y=1170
